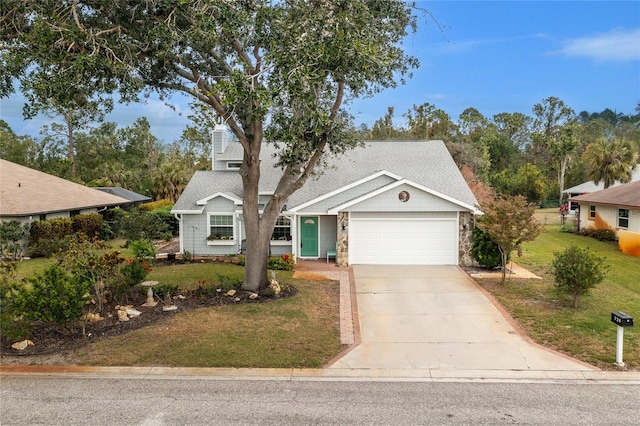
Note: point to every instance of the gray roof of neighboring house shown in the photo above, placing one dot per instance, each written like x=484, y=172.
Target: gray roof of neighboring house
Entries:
x=626, y=195
x=126, y=194
x=25, y=191
x=427, y=163
x=588, y=187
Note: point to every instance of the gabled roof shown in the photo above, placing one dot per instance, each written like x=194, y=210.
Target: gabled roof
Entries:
x=587, y=187
x=396, y=184
x=626, y=195
x=426, y=163
x=126, y=194
x=25, y=192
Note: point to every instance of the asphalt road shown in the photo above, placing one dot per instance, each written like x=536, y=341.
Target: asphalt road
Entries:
x=192, y=401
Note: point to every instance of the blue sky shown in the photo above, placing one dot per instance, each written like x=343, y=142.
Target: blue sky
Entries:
x=495, y=56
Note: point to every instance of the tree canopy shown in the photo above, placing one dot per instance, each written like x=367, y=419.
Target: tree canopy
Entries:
x=266, y=67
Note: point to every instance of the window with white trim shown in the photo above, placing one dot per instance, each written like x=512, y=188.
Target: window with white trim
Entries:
x=221, y=228
x=282, y=230
x=623, y=218
x=234, y=165
x=592, y=212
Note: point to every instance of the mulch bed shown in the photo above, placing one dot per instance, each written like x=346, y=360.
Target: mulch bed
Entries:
x=51, y=339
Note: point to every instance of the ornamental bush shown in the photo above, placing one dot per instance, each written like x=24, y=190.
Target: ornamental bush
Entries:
x=484, y=250
x=281, y=263
x=577, y=271
x=89, y=224
x=54, y=296
x=603, y=234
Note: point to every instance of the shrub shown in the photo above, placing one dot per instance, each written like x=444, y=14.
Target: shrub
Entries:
x=484, y=250
x=54, y=296
x=187, y=256
x=137, y=224
x=155, y=205
x=133, y=272
x=227, y=283
x=281, y=263
x=11, y=326
x=166, y=290
x=47, y=237
x=577, y=270
x=603, y=234
x=88, y=224
x=12, y=239
x=569, y=228
x=142, y=249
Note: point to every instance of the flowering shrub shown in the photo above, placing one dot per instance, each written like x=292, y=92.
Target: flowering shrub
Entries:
x=281, y=263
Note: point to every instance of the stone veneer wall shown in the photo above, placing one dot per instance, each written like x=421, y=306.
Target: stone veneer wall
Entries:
x=343, y=239
x=467, y=222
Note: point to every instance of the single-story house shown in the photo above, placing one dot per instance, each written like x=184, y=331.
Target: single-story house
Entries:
x=27, y=195
x=589, y=187
x=389, y=202
x=616, y=208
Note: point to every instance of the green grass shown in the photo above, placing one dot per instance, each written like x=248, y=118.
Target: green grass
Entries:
x=187, y=276
x=297, y=332
x=585, y=333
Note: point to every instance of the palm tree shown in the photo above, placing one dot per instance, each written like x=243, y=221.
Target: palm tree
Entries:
x=610, y=161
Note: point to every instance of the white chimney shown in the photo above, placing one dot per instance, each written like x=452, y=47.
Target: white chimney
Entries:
x=218, y=143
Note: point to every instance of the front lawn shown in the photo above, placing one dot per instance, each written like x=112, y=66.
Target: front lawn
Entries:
x=301, y=331
x=545, y=314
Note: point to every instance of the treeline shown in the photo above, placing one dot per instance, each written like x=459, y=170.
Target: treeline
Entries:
x=535, y=155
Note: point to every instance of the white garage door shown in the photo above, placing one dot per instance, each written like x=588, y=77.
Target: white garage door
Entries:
x=403, y=241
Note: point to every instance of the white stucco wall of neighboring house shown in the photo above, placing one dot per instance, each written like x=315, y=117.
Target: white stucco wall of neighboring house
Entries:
x=607, y=217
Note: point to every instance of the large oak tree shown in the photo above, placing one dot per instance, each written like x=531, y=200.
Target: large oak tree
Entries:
x=280, y=69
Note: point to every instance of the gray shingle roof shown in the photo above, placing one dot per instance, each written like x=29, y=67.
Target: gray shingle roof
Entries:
x=25, y=192
x=126, y=194
x=427, y=163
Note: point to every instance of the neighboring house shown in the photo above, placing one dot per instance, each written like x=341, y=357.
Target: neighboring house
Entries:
x=589, y=187
x=389, y=202
x=27, y=195
x=616, y=208
x=135, y=198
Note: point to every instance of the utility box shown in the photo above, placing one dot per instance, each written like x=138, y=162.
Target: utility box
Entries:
x=621, y=319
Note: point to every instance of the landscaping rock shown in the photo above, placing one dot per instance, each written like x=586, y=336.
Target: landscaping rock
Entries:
x=21, y=346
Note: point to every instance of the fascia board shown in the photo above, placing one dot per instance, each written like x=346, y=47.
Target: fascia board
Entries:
x=204, y=201
x=345, y=188
x=187, y=211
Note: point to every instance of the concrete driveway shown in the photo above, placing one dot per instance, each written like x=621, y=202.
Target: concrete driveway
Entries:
x=436, y=317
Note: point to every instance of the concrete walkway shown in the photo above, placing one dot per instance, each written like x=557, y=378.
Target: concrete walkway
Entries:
x=436, y=317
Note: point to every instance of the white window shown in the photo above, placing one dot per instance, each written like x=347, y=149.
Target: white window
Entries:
x=282, y=230
x=592, y=212
x=234, y=165
x=221, y=229
x=623, y=218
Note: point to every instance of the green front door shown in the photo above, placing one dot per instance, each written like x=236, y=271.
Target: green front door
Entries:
x=309, y=236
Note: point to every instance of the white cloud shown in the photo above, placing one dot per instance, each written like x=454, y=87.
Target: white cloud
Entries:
x=616, y=45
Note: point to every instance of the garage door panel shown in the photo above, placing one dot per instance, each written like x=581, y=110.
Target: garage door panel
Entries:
x=403, y=242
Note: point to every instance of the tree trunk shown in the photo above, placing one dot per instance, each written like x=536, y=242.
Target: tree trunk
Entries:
x=505, y=256
x=71, y=156
x=575, y=300
x=561, y=173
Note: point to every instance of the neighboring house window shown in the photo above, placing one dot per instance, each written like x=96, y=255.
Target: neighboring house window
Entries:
x=282, y=230
x=73, y=213
x=233, y=165
x=43, y=217
x=623, y=218
x=221, y=227
x=592, y=212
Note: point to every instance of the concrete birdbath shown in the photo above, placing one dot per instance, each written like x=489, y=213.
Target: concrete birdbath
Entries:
x=150, y=300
